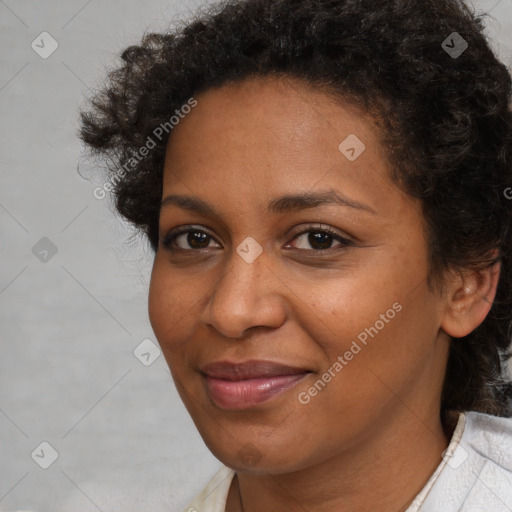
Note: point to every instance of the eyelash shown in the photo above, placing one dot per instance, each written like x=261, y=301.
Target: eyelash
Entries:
x=170, y=238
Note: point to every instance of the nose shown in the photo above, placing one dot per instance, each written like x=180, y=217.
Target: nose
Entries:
x=246, y=296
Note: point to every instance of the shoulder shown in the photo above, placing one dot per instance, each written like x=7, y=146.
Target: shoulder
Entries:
x=213, y=497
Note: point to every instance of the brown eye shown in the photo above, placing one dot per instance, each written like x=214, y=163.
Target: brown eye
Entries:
x=318, y=240
x=321, y=240
x=195, y=239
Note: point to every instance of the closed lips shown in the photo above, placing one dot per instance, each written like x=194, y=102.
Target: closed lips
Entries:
x=250, y=384
x=249, y=370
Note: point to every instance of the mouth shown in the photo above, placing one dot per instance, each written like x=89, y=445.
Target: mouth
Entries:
x=237, y=386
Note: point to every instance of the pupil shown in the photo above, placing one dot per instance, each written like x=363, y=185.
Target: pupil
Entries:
x=196, y=236
x=323, y=238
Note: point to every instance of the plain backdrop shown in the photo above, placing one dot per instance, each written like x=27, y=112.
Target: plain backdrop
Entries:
x=73, y=290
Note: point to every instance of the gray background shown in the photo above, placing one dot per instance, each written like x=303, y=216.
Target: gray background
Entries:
x=71, y=320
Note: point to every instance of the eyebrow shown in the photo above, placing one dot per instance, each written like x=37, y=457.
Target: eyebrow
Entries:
x=282, y=204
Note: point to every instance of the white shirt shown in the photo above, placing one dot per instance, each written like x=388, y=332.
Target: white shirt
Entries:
x=474, y=476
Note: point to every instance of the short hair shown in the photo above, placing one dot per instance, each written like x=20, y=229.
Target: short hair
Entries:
x=423, y=70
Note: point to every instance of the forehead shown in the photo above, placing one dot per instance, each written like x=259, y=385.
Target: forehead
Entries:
x=275, y=110
x=263, y=136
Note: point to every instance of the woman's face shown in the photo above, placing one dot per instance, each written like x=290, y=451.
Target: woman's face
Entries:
x=257, y=278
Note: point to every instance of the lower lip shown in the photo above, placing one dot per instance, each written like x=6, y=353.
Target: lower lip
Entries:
x=243, y=394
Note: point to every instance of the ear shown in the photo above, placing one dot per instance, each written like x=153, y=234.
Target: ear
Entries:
x=469, y=298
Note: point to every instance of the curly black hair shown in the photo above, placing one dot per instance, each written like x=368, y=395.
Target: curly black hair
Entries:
x=424, y=70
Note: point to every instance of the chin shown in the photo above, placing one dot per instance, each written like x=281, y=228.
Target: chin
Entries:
x=252, y=456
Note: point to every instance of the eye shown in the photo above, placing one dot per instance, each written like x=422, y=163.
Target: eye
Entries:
x=320, y=239
x=195, y=238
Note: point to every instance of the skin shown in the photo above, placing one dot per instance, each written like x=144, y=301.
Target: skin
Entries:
x=371, y=438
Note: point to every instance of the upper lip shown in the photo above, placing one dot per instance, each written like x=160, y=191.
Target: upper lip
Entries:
x=248, y=370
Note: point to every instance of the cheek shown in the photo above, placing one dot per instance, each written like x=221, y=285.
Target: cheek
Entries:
x=347, y=308
x=385, y=343
x=380, y=321
x=158, y=302
x=170, y=303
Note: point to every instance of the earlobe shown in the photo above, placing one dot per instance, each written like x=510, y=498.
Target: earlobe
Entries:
x=469, y=299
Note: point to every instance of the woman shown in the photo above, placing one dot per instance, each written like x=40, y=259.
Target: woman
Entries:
x=324, y=185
